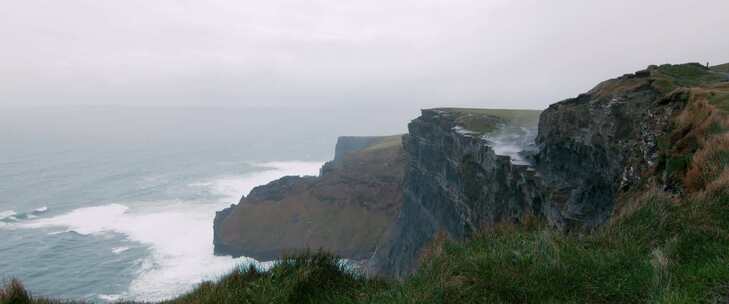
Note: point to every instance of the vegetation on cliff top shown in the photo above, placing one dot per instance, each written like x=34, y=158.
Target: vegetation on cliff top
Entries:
x=659, y=247
x=483, y=121
x=387, y=142
x=721, y=68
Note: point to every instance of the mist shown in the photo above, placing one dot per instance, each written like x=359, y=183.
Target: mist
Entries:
x=401, y=54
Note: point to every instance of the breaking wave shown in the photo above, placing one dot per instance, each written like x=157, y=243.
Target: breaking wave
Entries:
x=179, y=233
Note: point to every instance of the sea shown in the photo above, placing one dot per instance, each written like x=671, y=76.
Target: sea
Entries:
x=111, y=203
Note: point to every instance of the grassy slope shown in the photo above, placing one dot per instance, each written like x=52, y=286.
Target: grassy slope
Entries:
x=658, y=248
x=721, y=68
x=530, y=117
x=481, y=122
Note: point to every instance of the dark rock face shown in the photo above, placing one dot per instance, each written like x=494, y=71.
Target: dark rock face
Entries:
x=221, y=247
x=600, y=143
x=345, y=211
x=454, y=184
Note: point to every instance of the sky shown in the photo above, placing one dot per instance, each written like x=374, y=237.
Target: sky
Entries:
x=341, y=53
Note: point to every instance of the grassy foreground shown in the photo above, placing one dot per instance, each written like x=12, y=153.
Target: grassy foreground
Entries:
x=662, y=250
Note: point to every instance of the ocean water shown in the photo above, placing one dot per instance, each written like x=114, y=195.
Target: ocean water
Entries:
x=111, y=203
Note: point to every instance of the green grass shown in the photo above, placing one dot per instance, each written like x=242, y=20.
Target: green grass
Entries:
x=720, y=100
x=721, y=68
x=691, y=74
x=667, y=77
x=387, y=142
x=525, y=118
x=663, y=252
x=482, y=121
x=677, y=165
x=305, y=278
x=14, y=293
x=664, y=85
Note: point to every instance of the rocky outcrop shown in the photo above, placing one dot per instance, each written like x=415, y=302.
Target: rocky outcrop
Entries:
x=603, y=142
x=346, y=210
x=456, y=184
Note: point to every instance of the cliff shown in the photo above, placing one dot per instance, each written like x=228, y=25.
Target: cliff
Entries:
x=465, y=173
x=345, y=210
x=455, y=182
x=604, y=142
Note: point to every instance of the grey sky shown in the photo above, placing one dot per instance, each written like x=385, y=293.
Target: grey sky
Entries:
x=394, y=53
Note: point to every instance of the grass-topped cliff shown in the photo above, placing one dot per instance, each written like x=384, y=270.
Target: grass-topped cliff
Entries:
x=481, y=121
x=346, y=210
x=666, y=239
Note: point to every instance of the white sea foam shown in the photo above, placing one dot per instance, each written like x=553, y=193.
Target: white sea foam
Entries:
x=509, y=149
x=40, y=210
x=179, y=233
x=84, y=221
x=118, y=250
x=511, y=142
x=110, y=298
x=8, y=215
x=463, y=131
x=233, y=187
x=8, y=218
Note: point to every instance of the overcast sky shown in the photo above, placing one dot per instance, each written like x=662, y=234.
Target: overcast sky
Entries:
x=322, y=53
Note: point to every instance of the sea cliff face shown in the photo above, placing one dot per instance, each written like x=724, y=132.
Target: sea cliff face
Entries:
x=455, y=184
x=345, y=210
x=604, y=143
x=600, y=143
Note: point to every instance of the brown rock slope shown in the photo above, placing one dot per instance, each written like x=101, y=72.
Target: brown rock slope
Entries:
x=346, y=210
